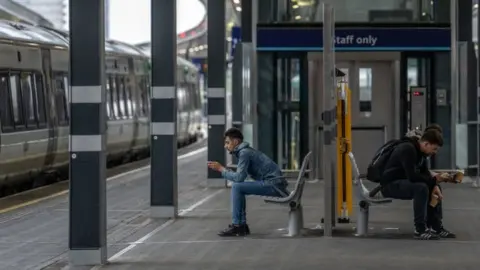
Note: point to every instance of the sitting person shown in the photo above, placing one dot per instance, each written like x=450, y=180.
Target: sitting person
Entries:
x=407, y=177
x=267, y=176
x=435, y=214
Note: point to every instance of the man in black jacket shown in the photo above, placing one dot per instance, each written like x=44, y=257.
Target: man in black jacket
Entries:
x=406, y=177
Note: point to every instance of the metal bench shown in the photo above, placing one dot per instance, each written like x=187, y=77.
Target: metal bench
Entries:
x=365, y=198
x=293, y=200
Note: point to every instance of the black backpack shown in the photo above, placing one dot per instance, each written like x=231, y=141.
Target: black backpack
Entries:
x=376, y=167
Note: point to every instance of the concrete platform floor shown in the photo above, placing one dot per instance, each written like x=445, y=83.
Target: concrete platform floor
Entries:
x=191, y=241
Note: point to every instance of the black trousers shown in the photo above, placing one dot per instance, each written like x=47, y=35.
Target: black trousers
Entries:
x=424, y=215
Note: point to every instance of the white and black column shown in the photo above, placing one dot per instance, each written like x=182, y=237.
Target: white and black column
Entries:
x=88, y=230
x=163, y=127
x=216, y=87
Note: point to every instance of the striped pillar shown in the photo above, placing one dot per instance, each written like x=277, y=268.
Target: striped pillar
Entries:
x=88, y=224
x=163, y=127
x=216, y=87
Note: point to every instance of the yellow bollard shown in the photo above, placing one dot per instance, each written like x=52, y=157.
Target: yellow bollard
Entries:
x=344, y=167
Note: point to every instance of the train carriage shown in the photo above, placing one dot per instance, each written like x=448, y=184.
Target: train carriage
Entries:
x=34, y=108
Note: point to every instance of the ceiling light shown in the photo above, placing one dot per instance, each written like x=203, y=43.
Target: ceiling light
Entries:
x=238, y=9
x=295, y=6
x=236, y=1
x=298, y=17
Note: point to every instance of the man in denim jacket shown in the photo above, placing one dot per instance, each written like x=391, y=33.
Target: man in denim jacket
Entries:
x=267, y=176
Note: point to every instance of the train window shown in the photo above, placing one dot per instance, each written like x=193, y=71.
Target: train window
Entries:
x=28, y=101
x=5, y=106
x=67, y=94
x=40, y=99
x=365, y=87
x=121, y=96
x=60, y=101
x=113, y=88
x=144, y=95
x=16, y=96
x=108, y=100
x=129, y=98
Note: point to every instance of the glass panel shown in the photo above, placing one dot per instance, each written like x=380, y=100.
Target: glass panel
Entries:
x=60, y=101
x=26, y=85
x=295, y=81
x=5, y=106
x=365, y=89
x=113, y=89
x=368, y=11
x=40, y=100
x=108, y=99
x=16, y=101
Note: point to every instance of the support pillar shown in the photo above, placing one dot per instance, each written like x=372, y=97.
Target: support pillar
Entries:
x=329, y=121
x=87, y=216
x=163, y=122
x=216, y=88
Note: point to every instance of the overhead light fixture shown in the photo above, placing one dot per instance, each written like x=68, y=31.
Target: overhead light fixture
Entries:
x=238, y=9
x=295, y=6
x=236, y=1
x=475, y=6
x=298, y=17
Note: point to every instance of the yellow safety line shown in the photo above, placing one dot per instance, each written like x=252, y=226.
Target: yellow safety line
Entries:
x=35, y=201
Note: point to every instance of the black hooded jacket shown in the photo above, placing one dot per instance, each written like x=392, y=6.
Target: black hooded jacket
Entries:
x=407, y=161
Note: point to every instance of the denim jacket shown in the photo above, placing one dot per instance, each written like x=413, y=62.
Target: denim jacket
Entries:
x=254, y=163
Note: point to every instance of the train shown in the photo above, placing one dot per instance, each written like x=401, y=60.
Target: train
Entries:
x=34, y=105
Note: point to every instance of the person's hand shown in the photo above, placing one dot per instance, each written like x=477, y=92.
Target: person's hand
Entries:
x=437, y=193
x=215, y=166
x=443, y=177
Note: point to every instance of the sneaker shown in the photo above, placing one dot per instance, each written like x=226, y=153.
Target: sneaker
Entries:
x=444, y=233
x=425, y=235
x=234, y=230
x=247, y=229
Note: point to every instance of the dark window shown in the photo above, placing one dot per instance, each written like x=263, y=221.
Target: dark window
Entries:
x=61, y=101
x=28, y=99
x=16, y=101
x=6, y=117
x=40, y=100
x=113, y=89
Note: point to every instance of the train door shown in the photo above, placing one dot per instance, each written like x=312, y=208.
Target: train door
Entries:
x=374, y=87
x=373, y=108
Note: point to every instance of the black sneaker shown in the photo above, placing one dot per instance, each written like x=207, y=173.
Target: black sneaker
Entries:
x=444, y=233
x=425, y=235
x=247, y=229
x=234, y=230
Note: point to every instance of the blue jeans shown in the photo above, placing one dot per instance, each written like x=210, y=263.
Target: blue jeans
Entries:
x=240, y=190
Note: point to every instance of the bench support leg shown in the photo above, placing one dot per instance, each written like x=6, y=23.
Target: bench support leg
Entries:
x=362, y=219
x=295, y=221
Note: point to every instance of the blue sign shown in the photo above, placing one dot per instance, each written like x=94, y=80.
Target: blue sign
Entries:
x=354, y=39
x=236, y=38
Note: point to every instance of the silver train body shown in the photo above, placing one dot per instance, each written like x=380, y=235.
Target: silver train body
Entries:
x=34, y=108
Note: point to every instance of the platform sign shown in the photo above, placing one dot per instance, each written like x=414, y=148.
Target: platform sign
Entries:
x=236, y=35
x=309, y=38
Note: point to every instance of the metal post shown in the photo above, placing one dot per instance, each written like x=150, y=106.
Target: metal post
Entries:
x=163, y=123
x=87, y=216
x=329, y=130
x=216, y=87
x=454, y=81
x=477, y=182
x=254, y=73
